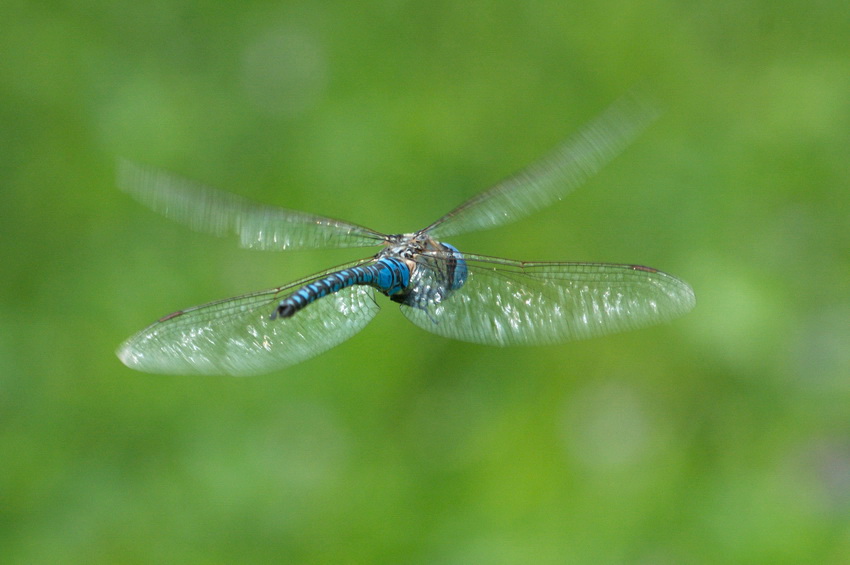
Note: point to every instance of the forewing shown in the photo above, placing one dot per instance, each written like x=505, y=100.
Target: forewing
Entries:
x=258, y=226
x=554, y=176
x=512, y=303
x=237, y=337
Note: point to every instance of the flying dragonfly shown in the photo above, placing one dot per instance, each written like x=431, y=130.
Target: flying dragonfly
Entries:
x=474, y=298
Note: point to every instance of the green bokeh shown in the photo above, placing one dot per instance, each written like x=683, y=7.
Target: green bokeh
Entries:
x=723, y=437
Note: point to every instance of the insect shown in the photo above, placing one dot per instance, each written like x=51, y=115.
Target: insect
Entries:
x=474, y=298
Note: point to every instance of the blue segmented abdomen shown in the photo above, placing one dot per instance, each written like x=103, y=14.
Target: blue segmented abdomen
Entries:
x=388, y=275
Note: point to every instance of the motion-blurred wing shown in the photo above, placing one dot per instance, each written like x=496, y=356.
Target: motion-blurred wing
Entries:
x=258, y=226
x=551, y=178
x=236, y=336
x=513, y=303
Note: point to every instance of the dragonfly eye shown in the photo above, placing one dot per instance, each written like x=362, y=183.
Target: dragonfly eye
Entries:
x=458, y=269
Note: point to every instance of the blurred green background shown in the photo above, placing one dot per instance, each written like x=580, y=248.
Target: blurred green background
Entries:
x=723, y=437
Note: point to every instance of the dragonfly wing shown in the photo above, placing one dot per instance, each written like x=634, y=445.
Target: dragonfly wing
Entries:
x=507, y=302
x=236, y=336
x=551, y=178
x=258, y=226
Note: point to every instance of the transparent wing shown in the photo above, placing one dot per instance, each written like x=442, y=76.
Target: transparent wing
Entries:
x=213, y=211
x=554, y=176
x=236, y=337
x=507, y=302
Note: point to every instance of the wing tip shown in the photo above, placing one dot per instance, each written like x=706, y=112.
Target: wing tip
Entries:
x=128, y=355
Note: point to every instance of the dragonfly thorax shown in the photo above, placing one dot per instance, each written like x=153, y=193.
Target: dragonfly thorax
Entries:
x=436, y=269
x=407, y=245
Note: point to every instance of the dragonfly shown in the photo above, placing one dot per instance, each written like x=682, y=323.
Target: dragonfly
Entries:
x=473, y=298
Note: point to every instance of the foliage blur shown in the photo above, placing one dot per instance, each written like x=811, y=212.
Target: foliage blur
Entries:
x=723, y=437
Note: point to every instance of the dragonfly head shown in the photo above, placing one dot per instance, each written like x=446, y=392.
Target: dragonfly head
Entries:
x=419, y=250
x=459, y=271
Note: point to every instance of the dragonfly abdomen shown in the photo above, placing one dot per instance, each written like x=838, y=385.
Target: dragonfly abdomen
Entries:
x=389, y=275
